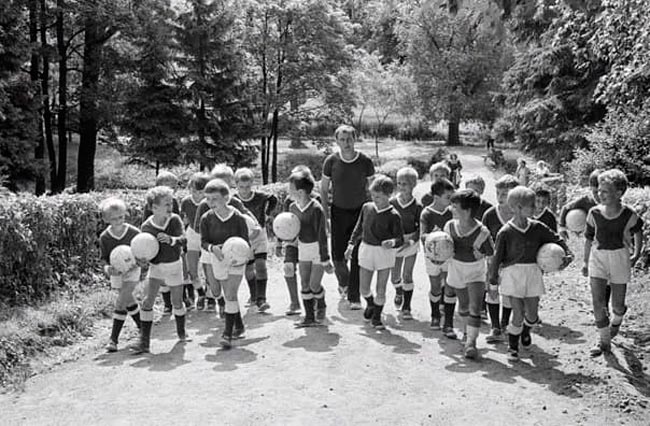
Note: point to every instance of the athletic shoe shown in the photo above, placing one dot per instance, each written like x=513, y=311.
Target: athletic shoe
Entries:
x=471, y=352
x=212, y=305
x=111, y=346
x=378, y=325
x=139, y=349
x=167, y=310
x=406, y=315
x=200, y=303
x=513, y=355
x=450, y=333
x=263, y=307
x=355, y=306
x=367, y=313
x=399, y=298
x=435, y=323
x=526, y=338
x=343, y=292
x=600, y=348
x=614, y=329
x=293, y=310
x=307, y=322
x=239, y=333
x=226, y=341
x=495, y=336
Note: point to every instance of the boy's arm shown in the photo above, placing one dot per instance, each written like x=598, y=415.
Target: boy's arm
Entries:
x=398, y=231
x=204, y=229
x=497, y=258
x=590, y=232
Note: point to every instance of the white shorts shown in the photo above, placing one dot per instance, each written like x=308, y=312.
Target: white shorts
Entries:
x=522, y=280
x=375, y=258
x=131, y=277
x=434, y=269
x=193, y=239
x=259, y=243
x=408, y=251
x=461, y=273
x=611, y=265
x=222, y=268
x=206, y=257
x=170, y=273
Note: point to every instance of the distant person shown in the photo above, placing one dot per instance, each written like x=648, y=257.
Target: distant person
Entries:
x=489, y=143
x=455, y=166
x=348, y=172
x=437, y=171
x=523, y=172
x=543, y=168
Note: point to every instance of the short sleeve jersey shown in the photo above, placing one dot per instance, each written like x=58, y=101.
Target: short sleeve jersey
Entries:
x=612, y=233
x=482, y=208
x=188, y=209
x=434, y=220
x=466, y=246
x=108, y=240
x=313, y=228
x=548, y=218
x=216, y=230
x=260, y=204
x=349, y=179
x=203, y=208
x=410, y=214
x=174, y=228
x=375, y=226
x=493, y=221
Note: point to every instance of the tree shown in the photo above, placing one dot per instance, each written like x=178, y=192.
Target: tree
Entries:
x=299, y=50
x=457, y=61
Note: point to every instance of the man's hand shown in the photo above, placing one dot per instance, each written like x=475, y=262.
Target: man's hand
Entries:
x=348, y=252
x=328, y=267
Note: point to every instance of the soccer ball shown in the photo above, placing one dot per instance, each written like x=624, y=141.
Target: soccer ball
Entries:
x=286, y=226
x=576, y=220
x=550, y=257
x=121, y=258
x=145, y=246
x=236, y=251
x=438, y=246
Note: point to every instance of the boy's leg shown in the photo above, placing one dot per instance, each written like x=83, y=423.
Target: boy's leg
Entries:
x=290, y=277
x=598, y=296
x=618, y=292
x=476, y=292
x=306, y=294
x=396, y=279
x=435, y=296
x=515, y=327
x=119, y=316
x=129, y=302
x=531, y=308
x=407, y=286
x=365, y=278
x=261, y=274
x=450, y=307
x=317, y=290
x=251, y=280
x=506, y=308
x=234, y=326
x=192, y=257
x=380, y=298
x=493, y=309
x=146, y=315
x=167, y=301
x=212, y=285
x=462, y=295
x=179, y=310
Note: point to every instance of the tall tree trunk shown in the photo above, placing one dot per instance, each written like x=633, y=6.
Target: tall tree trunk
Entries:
x=453, y=133
x=62, y=117
x=39, y=152
x=45, y=88
x=200, y=116
x=274, y=160
x=88, y=106
x=296, y=143
x=265, y=166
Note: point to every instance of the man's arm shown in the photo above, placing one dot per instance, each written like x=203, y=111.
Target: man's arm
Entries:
x=324, y=195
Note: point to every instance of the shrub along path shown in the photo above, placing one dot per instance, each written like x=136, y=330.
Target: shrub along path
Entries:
x=347, y=373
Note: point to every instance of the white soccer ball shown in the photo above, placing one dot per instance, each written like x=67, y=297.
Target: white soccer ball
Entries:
x=145, y=246
x=576, y=220
x=550, y=257
x=438, y=246
x=236, y=251
x=121, y=259
x=286, y=226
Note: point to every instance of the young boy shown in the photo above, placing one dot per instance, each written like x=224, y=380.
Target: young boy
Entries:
x=380, y=231
x=494, y=218
x=410, y=211
x=189, y=206
x=434, y=218
x=217, y=225
x=542, y=212
x=169, y=180
x=313, y=256
x=584, y=203
x=261, y=205
x=611, y=227
x=478, y=185
x=467, y=271
x=119, y=233
x=521, y=281
x=166, y=268
x=437, y=171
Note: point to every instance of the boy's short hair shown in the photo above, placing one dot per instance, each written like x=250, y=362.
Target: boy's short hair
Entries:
x=302, y=180
x=441, y=186
x=198, y=181
x=506, y=181
x=345, y=128
x=593, y=177
x=614, y=177
x=301, y=168
x=166, y=178
x=158, y=193
x=477, y=181
x=440, y=165
x=409, y=173
x=112, y=204
x=521, y=196
x=244, y=174
x=217, y=186
x=383, y=184
x=542, y=191
x=222, y=171
x=468, y=199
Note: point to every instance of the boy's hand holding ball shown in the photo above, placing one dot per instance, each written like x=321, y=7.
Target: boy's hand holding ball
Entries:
x=216, y=250
x=164, y=238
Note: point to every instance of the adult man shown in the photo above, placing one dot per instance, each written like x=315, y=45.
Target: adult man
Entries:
x=348, y=172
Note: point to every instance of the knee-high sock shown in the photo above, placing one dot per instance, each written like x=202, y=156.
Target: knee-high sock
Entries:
x=260, y=290
x=513, y=336
x=407, y=289
x=252, y=288
x=505, y=317
x=167, y=299
x=118, y=321
x=292, y=286
x=450, y=307
x=434, y=302
x=493, y=312
x=179, y=315
x=319, y=297
x=134, y=312
x=308, y=303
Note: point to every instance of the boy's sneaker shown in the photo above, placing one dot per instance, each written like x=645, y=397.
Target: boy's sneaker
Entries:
x=600, y=348
x=495, y=336
x=226, y=341
x=378, y=325
x=212, y=305
x=167, y=310
x=263, y=307
x=435, y=323
x=293, y=310
x=343, y=292
x=307, y=322
x=471, y=352
x=399, y=298
x=111, y=346
x=450, y=333
x=200, y=303
x=367, y=313
x=189, y=304
x=406, y=315
x=239, y=333
x=526, y=338
x=355, y=306
x=513, y=355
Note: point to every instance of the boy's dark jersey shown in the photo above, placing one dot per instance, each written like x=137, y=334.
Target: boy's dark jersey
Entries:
x=313, y=227
x=612, y=233
x=410, y=214
x=189, y=209
x=108, y=241
x=146, y=211
x=493, y=221
x=548, y=218
x=482, y=208
x=375, y=226
x=203, y=208
x=174, y=228
x=216, y=230
x=434, y=220
x=260, y=204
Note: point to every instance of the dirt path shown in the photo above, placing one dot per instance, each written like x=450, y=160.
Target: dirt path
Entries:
x=347, y=373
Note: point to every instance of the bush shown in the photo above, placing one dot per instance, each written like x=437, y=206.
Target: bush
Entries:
x=420, y=166
x=390, y=168
x=312, y=159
